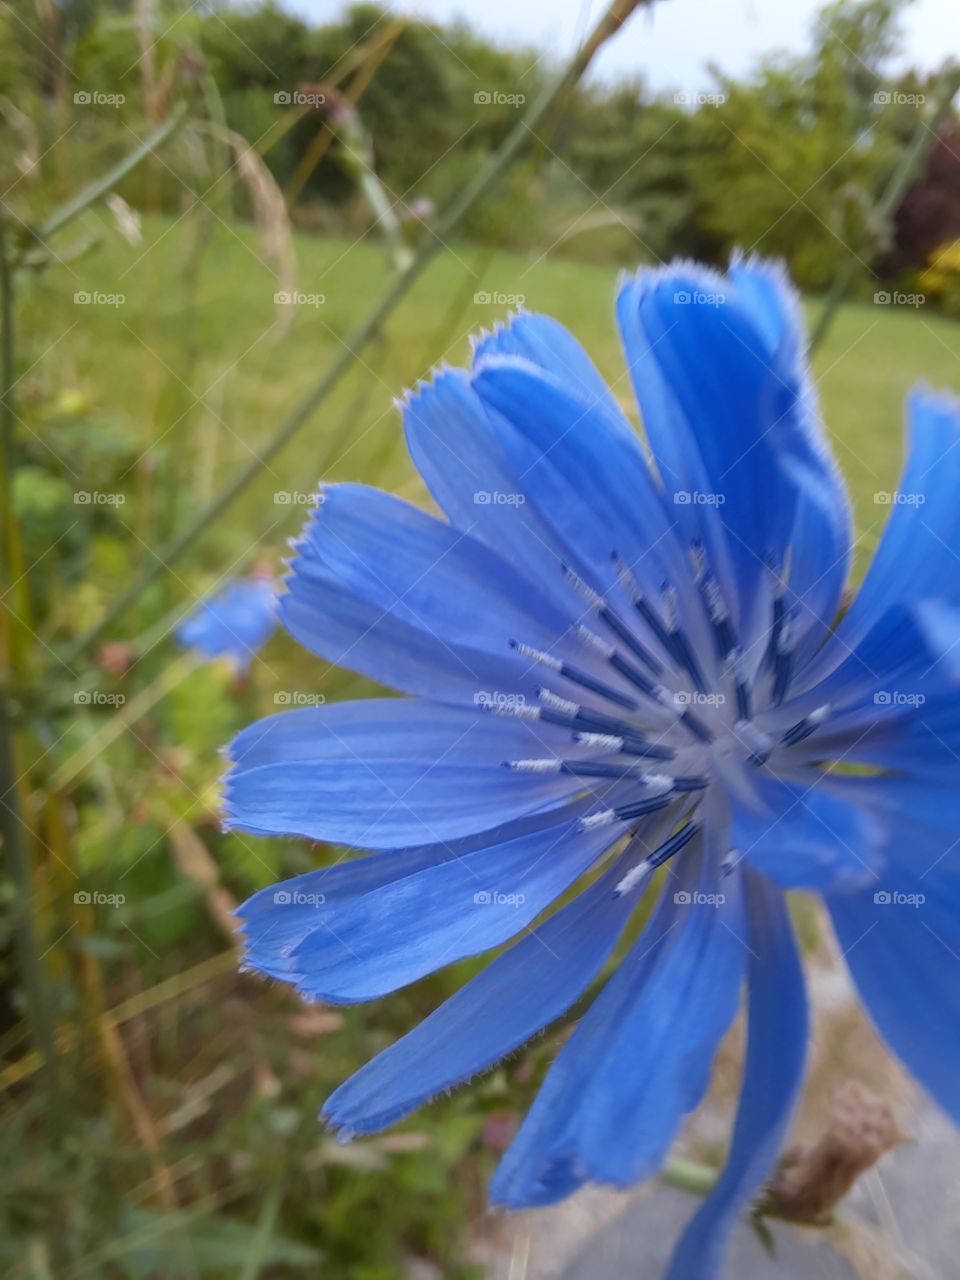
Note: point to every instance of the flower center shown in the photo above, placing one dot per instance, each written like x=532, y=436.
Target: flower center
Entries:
x=654, y=719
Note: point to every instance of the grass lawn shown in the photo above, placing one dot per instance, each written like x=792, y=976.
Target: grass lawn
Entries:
x=200, y=371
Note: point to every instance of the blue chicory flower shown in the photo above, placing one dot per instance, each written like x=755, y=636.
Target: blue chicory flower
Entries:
x=235, y=623
x=615, y=665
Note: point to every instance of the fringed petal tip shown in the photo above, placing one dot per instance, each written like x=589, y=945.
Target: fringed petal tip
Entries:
x=922, y=398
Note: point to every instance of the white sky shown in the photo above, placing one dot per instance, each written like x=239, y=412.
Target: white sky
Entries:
x=670, y=45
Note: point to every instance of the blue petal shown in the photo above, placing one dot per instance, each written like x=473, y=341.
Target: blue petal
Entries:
x=720, y=374
x=640, y=1059
x=477, y=470
x=544, y=342
x=805, y=836
x=402, y=930
x=585, y=455
x=234, y=623
x=276, y=919
x=382, y=588
x=901, y=942
x=918, y=552
x=895, y=701
x=389, y=773
x=518, y=994
x=776, y=1050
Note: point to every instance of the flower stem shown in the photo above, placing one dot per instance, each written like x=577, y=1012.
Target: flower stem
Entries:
x=12, y=826
x=689, y=1175
x=103, y=185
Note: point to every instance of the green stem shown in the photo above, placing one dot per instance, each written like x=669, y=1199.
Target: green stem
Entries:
x=11, y=821
x=688, y=1175
x=924, y=135
x=614, y=18
x=103, y=185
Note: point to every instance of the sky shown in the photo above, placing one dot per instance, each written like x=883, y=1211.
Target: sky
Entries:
x=671, y=45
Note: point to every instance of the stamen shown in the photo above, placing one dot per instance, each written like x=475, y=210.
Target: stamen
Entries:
x=656, y=859
x=783, y=660
x=603, y=818
x=599, y=741
x=724, y=636
x=678, y=642
x=570, y=715
x=805, y=727
x=660, y=782
x=613, y=621
x=619, y=663
x=640, y=808
x=741, y=688
x=502, y=707
x=728, y=864
x=575, y=675
x=755, y=740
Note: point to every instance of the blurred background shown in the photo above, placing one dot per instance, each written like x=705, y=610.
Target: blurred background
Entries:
x=201, y=205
